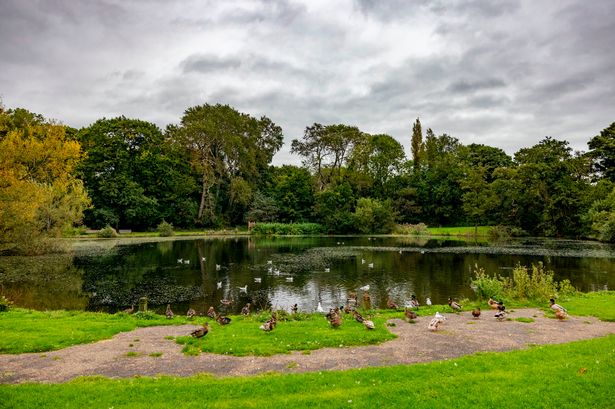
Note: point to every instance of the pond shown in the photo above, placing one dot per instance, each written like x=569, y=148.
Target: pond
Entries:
x=107, y=275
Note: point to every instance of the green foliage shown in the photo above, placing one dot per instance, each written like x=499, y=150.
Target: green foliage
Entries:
x=165, y=229
x=374, y=216
x=107, y=232
x=579, y=374
x=533, y=285
x=5, y=303
x=415, y=229
x=602, y=218
x=602, y=152
x=287, y=229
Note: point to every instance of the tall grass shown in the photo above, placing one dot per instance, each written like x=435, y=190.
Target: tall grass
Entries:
x=285, y=229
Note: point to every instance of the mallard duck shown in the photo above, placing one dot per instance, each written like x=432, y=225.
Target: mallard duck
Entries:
x=201, y=332
x=129, y=310
x=336, y=320
x=476, y=312
x=556, y=307
x=190, y=313
x=211, y=312
x=223, y=320
x=501, y=314
x=453, y=304
x=414, y=302
x=493, y=304
x=357, y=316
x=391, y=304
x=294, y=309
x=367, y=301
x=433, y=324
x=169, y=313
x=270, y=324
x=560, y=314
x=369, y=324
x=411, y=315
x=226, y=301
x=246, y=309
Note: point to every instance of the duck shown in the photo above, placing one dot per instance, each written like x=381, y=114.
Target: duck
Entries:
x=453, y=304
x=327, y=270
x=369, y=324
x=335, y=319
x=560, y=314
x=358, y=317
x=411, y=315
x=211, y=312
x=190, y=313
x=428, y=301
x=493, y=304
x=433, y=324
x=223, y=320
x=201, y=332
x=129, y=310
x=367, y=301
x=270, y=324
x=414, y=302
x=169, y=313
x=226, y=301
x=440, y=316
x=501, y=314
x=556, y=307
x=246, y=309
x=294, y=309
x=476, y=312
x=391, y=304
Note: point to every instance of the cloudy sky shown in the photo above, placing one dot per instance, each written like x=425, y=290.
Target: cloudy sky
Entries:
x=503, y=73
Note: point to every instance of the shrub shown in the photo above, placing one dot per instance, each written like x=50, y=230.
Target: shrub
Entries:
x=487, y=287
x=287, y=228
x=107, y=233
x=416, y=229
x=5, y=303
x=165, y=229
x=374, y=216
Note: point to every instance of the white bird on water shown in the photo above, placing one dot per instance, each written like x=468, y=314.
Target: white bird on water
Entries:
x=243, y=289
x=218, y=267
x=370, y=265
x=327, y=270
x=257, y=279
x=365, y=288
x=180, y=260
x=289, y=279
x=219, y=285
x=362, y=261
x=203, y=258
x=186, y=261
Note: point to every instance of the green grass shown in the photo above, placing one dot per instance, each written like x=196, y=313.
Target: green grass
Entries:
x=525, y=320
x=310, y=331
x=579, y=374
x=599, y=304
x=458, y=231
x=24, y=330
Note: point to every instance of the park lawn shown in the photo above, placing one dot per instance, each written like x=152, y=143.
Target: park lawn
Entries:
x=459, y=231
x=578, y=374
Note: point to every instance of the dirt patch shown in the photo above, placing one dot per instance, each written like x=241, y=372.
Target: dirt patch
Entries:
x=149, y=352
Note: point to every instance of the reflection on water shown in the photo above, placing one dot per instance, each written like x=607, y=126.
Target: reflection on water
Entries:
x=196, y=273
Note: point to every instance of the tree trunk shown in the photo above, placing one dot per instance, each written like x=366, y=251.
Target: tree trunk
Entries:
x=204, y=190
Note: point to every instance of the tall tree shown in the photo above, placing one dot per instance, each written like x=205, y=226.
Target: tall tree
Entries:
x=416, y=144
x=39, y=193
x=602, y=151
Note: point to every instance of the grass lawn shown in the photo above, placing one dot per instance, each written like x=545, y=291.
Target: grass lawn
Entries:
x=579, y=374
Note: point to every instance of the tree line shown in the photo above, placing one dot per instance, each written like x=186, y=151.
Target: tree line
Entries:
x=213, y=169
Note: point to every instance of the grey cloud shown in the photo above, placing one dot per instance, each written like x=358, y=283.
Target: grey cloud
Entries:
x=208, y=63
x=467, y=86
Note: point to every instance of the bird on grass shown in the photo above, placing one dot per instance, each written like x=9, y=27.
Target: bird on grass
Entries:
x=270, y=324
x=169, y=312
x=391, y=304
x=334, y=318
x=294, y=309
x=476, y=312
x=130, y=310
x=211, y=312
x=411, y=315
x=201, y=332
x=246, y=309
x=369, y=324
x=223, y=320
x=358, y=317
x=428, y=301
x=453, y=304
x=190, y=313
x=414, y=303
x=226, y=301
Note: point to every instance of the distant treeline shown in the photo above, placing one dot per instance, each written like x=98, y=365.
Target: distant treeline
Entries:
x=213, y=169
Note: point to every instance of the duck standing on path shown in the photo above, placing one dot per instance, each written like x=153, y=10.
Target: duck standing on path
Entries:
x=476, y=312
x=501, y=314
x=201, y=332
x=169, y=313
x=493, y=304
x=436, y=321
x=556, y=307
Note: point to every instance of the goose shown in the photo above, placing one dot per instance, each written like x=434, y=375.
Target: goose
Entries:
x=129, y=310
x=169, y=313
x=364, y=288
x=319, y=308
x=246, y=309
x=476, y=312
x=219, y=285
x=453, y=304
x=428, y=301
x=201, y=332
x=190, y=313
x=243, y=289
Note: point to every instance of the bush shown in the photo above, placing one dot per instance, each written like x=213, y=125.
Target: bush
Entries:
x=165, y=229
x=287, y=229
x=374, y=216
x=5, y=303
x=416, y=229
x=535, y=285
x=107, y=233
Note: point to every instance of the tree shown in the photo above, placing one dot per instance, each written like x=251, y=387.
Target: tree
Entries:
x=135, y=179
x=478, y=198
x=294, y=193
x=334, y=206
x=224, y=144
x=416, y=144
x=326, y=149
x=39, y=193
x=602, y=218
x=602, y=151
x=374, y=216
